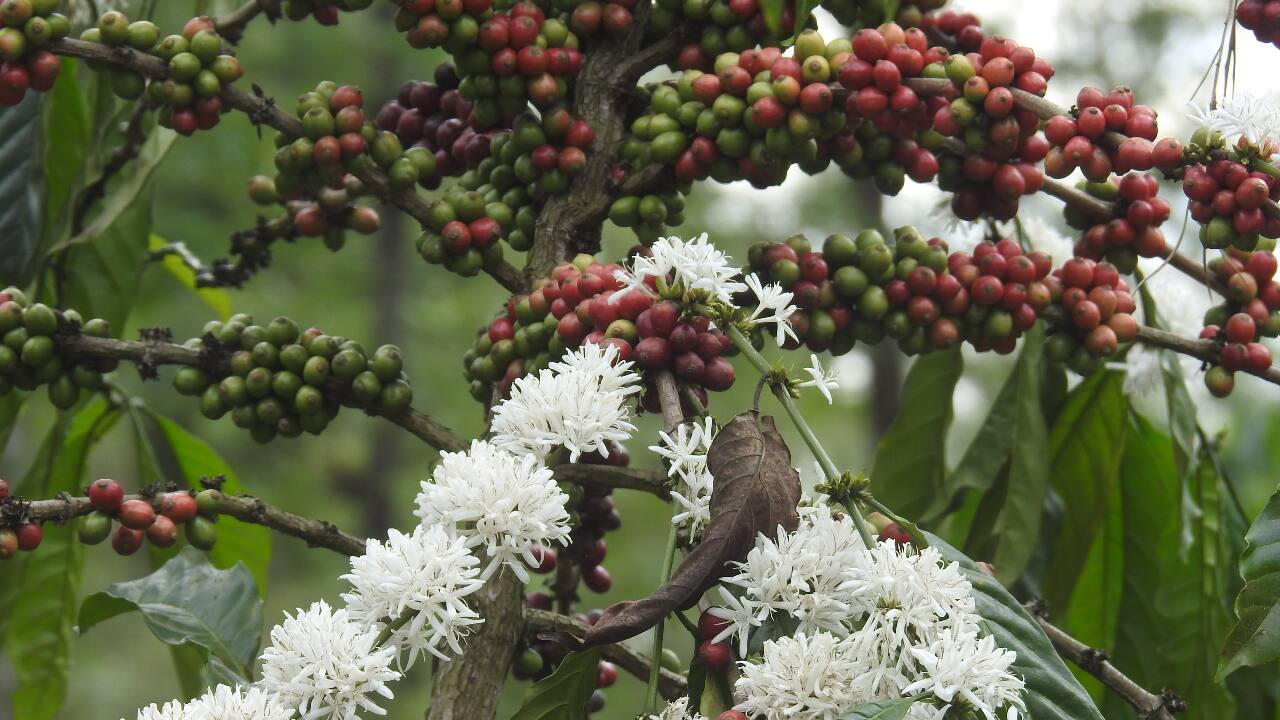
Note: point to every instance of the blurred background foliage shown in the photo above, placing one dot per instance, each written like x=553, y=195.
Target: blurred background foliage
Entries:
x=362, y=474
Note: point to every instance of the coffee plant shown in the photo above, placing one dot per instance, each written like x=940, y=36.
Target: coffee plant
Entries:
x=1073, y=529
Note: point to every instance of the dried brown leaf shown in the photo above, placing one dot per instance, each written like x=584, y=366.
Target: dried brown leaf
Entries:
x=756, y=490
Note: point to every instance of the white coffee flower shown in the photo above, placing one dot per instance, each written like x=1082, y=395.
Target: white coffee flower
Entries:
x=691, y=265
x=677, y=710
x=228, y=703
x=578, y=403
x=1243, y=115
x=823, y=381
x=325, y=666
x=773, y=307
x=815, y=677
x=427, y=573
x=507, y=504
x=172, y=710
x=962, y=669
x=686, y=453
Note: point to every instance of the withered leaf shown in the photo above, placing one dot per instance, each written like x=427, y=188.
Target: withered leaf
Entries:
x=756, y=490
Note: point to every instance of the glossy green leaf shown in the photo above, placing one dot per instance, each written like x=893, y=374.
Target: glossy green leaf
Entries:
x=1182, y=409
x=882, y=710
x=237, y=541
x=1255, y=639
x=1085, y=447
x=67, y=137
x=1093, y=611
x=1150, y=502
x=1051, y=691
x=910, y=467
x=190, y=602
x=20, y=191
x=217, y=299
x=563, y=694
x=39, y=633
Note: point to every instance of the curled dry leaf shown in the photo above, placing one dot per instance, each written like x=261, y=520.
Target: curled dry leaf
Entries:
x=756, y=490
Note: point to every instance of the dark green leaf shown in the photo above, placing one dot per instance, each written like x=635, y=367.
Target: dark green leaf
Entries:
x=237, y=541
x=20, y=195
x=1255, y=639
x=772, y=11
x=1182, y=409
x=189, y=602
x=910, y=465
x=881, y=710
x=39, y=631
x=1051, y=691
x=1092, y=613
x=1084, y=456
x=804, y=8
x=563, y=695
x=10, y=406
x=1150, y=502
x=102, y=276
x=66, y=141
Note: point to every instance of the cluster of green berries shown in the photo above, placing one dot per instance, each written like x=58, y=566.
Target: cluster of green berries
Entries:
x=29, y=354
x=153, y=517
x=199, y=67
x=1251, y=312
x=26, y=27
x=280, y=380
x=500, y=198
x=322, y=210
x=325, y=12
x=1135, y=230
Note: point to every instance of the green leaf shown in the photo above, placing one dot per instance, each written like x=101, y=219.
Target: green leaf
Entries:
x=881, y=710
x=39, y=631
x=1051, y=691
x=563, y=694
x=189, y=602
x=1085, y=447
x=216, y=298
x=910, y=465
x=772, y=11
x=237, y=541
x=1255, y=639
x=1182, y=409
x=20, y=195
x=66, y=140
x=1150, y=501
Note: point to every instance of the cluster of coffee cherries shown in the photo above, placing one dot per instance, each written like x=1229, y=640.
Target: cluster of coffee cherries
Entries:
x=26, y=27
x=199, y=68
x=326, y=211
x=153, y=517
x=434, y=116
x=576, y=305
x=537, y=659
x=504, y=57
x=724, y=26
x=1251, y=312
x=29, y=354
x=1082, y=139
x=280, y=380
x=1133, y=233
x=16, y=533
x=592, y=514
x=325, y=12
x=1262, y=17
x=1091, y=315
x=1002, y=142
x=1227, y=200
x=963, y=27
x=870, y=13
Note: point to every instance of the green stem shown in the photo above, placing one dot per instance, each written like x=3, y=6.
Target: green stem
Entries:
x=788, y=403
x=655, y=656
x=1267, y=168
x=393, y=626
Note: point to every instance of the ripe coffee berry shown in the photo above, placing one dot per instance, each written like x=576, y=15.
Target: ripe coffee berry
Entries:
x=163, y=532
x=606, y=674
x=710, y=625
x=597, y=579
x=716, y=656
x=731, y=715
x=126, y=541
x=136, y=514
x=4, y=489
x=29, y=535
x=8, y=543
x=106, y=495
x=179, y=507
x=546, y=558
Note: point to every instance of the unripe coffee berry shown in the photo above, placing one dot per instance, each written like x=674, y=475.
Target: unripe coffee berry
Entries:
x=106, y=495
x=8, y=543
x=4, y=489
x=94, y=528
x=202, y=533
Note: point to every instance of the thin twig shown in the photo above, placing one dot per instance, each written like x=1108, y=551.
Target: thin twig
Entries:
x=1095, y=662
x=650, y=481
x=231, y=26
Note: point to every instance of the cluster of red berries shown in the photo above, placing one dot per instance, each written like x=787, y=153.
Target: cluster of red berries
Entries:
x=434, y=116
x=1251, y=312
x=1133, y=233
x=17, y=533
x=155, y=518
x=1091, y=315
x=577, y=305
x=1262, y=17
x=964, y=28
x=199, y=67
x=504, y=57
x=1227, y=200
x=325, y=12
x=280, y=380
x=1082, y=139
x=716, y=656
x=327, y=210
x=1002, y=142
x=592, y=514
x=26, y=26
x=29, y=354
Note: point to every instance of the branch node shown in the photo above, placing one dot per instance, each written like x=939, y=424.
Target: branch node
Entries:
x=1091, y=659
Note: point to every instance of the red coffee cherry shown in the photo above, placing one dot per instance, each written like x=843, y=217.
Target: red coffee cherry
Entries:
x=8, y=543
x=597, y=579
x=106, y=495
x=163, y=532
x=29, y=535
x=710, y=625
x=137, y=514
x=126, y=541
x=716, y=656
x=179, y=507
